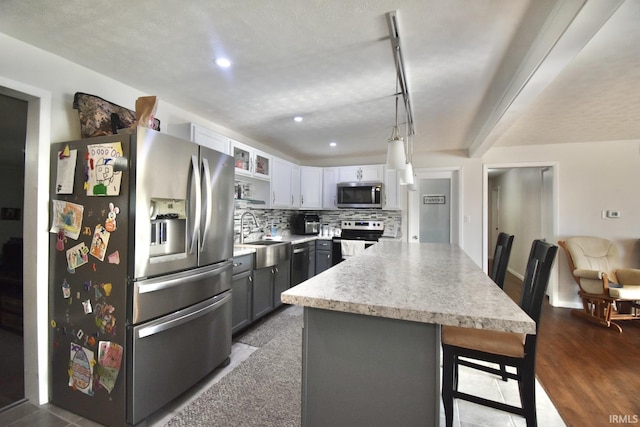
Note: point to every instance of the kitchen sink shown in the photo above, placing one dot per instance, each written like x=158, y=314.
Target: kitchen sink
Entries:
x=268, y=252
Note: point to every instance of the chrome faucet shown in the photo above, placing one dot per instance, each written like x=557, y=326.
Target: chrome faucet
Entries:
x=242, y=224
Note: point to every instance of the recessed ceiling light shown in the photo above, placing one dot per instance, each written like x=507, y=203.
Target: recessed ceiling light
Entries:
x=298, y=119
x=223, y=62
x=333, y=144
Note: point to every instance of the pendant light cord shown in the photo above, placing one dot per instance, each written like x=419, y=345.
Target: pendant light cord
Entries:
x=396, y=101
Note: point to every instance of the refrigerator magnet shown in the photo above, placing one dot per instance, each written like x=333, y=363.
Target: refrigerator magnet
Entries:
x=66, y=289
x=103, y=178
x=107, y=288
x=100, y=242
x=110, y=223
x=67, y=216
x=66, y=170
x=81, y=369
x=77, y=256
x=86, y=305
x=114, y=258
x=61, y=240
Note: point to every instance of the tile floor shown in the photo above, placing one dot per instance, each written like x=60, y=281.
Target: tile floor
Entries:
x=466, y=414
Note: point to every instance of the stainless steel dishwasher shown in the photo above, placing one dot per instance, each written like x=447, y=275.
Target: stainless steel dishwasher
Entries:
x=300, y=262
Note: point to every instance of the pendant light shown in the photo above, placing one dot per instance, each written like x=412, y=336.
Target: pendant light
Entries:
x=406, y=176
x=396, y=159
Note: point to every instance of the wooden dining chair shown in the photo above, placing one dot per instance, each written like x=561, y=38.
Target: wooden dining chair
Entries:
x=500, y=260
x=467, y=346
x=498, y=270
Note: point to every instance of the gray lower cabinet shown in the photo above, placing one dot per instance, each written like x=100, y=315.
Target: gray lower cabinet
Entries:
x=256, y=292
x=262, y=291
x=268, y=284
x=323, y=255
x=312, y=259
x=241, y=285
x=281, y=281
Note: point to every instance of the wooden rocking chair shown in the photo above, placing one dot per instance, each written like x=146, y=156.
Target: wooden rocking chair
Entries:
x=608, y=293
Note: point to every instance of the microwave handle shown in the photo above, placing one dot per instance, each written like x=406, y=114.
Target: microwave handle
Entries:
x=373, y=194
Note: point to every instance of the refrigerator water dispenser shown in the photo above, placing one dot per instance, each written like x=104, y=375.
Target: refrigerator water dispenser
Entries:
x=168, y=227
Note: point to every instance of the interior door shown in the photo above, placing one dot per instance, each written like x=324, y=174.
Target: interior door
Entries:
x=435, y=210
x=451, y=203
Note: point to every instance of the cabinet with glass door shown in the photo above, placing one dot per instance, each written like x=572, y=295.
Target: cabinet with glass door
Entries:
x=250, y=161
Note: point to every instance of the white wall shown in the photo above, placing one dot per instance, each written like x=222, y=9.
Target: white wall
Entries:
x=592, y=177
x=520, y=212
x=471, y=188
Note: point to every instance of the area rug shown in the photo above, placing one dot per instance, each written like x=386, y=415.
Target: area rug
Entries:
x=264, y=390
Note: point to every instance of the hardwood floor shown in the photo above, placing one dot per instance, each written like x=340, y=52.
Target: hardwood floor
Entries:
x=590, y=372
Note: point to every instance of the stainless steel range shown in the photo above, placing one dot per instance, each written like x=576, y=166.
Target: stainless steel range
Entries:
x=356, y=236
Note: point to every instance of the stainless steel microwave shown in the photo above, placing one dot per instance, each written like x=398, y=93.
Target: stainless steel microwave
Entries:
x=360, y=195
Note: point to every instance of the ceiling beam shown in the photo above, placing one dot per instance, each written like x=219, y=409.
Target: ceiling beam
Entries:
x=568, y=27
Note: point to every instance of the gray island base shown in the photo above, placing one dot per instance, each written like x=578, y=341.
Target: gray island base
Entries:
x=360, y=370
x=371, y=338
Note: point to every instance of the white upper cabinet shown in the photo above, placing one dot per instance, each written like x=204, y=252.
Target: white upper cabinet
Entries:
x=329, y=188
x=311, y=187
x=281, y=187
x=251, y=162
x=201, y=136
x=363, y=173
x=392, y=190
x=296, y=187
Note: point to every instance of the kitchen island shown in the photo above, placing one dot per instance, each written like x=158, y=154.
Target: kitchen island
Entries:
x=371, y=338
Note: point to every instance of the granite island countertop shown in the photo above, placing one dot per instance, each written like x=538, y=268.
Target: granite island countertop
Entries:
x=420, y=282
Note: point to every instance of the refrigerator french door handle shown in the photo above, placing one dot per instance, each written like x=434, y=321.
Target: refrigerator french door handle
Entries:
x=178, y=279
x=188, y=317
x=196, y=215
x=209, y=207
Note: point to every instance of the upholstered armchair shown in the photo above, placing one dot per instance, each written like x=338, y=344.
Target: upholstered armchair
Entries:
x=608, y=292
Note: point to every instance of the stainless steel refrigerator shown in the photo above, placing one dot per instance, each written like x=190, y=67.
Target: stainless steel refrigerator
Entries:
x=140, y=272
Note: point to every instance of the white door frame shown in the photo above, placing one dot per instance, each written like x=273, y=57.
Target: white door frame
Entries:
x=494, y=218
x=552, y=289
x=413, y=203
x=36, y=237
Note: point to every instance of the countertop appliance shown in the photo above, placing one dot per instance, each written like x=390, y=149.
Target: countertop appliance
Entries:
x=140, y=272
x=359, y=195
x=305, y=223
x=367, y=232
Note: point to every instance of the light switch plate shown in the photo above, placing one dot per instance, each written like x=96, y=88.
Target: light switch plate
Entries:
x=613, y=214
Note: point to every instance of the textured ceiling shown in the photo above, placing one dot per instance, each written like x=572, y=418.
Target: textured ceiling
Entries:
x=467, y=64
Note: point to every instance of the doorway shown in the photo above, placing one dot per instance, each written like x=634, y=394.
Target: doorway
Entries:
x=434, y=208
x=520, y=199
x=13, y=128
x=35, y=217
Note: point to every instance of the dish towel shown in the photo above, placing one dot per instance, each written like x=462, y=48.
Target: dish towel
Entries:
x=350, y=248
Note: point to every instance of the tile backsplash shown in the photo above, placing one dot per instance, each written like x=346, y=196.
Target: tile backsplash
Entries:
x=281, y=218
